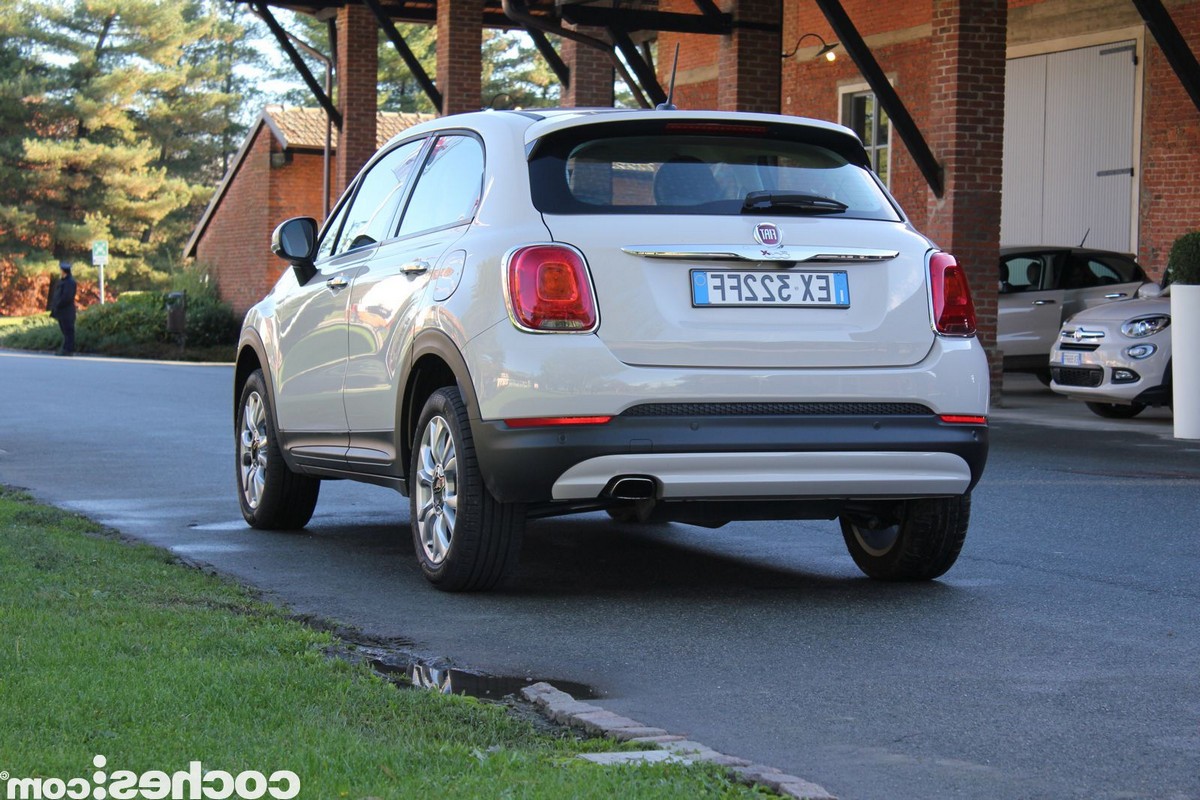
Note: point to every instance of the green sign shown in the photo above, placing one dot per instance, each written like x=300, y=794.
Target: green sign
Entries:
x=99, y=253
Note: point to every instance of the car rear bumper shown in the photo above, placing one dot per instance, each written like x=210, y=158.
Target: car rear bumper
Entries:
x=748, y=457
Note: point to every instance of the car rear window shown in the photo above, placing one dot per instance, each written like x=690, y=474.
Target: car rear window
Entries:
x=702, y=169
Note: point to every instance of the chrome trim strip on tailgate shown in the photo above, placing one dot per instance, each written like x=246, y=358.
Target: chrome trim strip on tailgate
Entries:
x=740, y=252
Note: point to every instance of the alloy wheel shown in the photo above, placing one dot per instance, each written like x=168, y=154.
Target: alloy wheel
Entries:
x=437, y=489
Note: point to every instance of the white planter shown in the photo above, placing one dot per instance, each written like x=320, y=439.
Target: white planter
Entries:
x=1185, y=359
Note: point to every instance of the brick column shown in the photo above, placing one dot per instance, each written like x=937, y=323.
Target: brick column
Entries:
x=357, y=91
x=591, y=72
x=748, y=59
x=966, y=133
x=459, y=64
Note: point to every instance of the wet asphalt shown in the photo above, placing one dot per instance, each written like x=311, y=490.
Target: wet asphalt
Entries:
x=1060, y=658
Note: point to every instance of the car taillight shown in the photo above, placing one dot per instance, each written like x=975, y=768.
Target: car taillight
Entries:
x=953, y=311
x=549, y=290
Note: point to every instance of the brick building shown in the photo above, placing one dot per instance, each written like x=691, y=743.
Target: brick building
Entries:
x=275, y=175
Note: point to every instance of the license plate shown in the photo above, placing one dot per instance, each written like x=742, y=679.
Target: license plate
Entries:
x=1070, y=359
x=791, y=289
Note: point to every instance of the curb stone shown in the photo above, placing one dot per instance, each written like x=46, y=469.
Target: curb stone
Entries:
x=565, y=709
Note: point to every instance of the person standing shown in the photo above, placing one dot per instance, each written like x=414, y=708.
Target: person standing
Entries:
x=62, y=308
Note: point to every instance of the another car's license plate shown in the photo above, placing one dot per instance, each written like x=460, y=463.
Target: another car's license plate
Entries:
x=1070, y=359
x=770, y=288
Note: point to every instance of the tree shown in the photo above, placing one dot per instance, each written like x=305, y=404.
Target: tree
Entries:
x=113, y=127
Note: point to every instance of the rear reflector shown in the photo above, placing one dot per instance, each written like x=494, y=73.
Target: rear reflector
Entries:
x=953, y=311
x=963, y=419
x=540, y=422
x=549, y=290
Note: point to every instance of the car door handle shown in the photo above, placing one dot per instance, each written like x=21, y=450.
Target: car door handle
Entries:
x=415, y=267
x=339, y=282
x=1044, y=302
x=1115, y=296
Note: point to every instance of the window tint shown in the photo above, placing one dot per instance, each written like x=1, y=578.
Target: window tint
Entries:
x=330, y=234
x=373, y=211
x=447, y=193
x=698, y=173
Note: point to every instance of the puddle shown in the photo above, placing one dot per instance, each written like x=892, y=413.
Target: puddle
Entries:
x=236, y=525
x=449, y=680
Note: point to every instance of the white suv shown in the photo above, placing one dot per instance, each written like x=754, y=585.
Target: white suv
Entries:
x=665, y=315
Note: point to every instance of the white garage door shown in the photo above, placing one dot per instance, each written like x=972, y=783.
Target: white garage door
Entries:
x=1068, y=148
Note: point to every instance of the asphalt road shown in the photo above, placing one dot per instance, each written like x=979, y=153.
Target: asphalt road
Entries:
x=1060, y=658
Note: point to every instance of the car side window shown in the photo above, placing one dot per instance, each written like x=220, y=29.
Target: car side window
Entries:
x=1022, y=274
x=448, y=190
x=330, y=234
x=1084, y=272
x=373, y=209
x=1115, y=269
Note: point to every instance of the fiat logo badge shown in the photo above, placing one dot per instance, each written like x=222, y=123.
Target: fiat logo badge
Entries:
x=766, y=234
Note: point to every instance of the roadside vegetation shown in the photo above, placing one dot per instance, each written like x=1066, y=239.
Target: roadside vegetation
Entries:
x=116, y=650
x=135, y=326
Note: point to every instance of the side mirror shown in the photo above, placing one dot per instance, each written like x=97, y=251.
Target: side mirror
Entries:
x=1148, y=290
x=295, y=240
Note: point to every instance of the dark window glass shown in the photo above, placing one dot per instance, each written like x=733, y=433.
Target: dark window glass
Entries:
x=447, y=193
x=373, y=212
x=699, y=173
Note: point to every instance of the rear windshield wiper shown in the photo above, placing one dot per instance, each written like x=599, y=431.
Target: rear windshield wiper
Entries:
x=792, y=202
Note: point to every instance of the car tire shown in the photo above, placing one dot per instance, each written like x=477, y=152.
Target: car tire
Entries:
x=1044, y=377
x=271, y=495
x=1116, y=410
x=921, y=545
x=465, y=539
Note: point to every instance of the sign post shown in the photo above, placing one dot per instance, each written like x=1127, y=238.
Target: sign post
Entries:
x=99, y=259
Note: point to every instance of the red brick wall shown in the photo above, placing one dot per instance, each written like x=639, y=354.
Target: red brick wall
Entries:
x=236, y=244
x=1169, y=205
x=591, y=79
x=357, y=98
x=459, y=39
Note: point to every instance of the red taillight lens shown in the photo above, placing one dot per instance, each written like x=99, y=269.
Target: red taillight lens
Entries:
x=549, y=290
x=953, y=311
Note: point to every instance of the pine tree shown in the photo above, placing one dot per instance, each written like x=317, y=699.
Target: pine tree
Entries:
x=115, y=133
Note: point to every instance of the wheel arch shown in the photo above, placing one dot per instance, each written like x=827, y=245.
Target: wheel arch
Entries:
x=436, y=363
x=251, y=356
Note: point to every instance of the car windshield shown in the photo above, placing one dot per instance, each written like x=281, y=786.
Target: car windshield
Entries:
x=698, y=172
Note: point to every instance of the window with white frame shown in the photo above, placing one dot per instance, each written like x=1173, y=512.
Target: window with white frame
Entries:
x=862, y=114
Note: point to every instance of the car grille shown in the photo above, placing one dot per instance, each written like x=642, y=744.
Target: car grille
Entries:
x=775, y=409
x=1085, y=348
x=1077, y=376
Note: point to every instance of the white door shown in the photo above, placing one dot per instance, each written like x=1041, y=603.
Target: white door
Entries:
x=1068, y=149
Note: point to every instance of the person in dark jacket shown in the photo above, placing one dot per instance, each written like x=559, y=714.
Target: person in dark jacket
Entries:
x=62, y=308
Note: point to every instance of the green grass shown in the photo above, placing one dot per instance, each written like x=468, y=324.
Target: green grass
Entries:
x=113, y=649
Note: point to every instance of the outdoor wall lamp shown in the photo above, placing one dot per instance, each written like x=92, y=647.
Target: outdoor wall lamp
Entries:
x=826, y=49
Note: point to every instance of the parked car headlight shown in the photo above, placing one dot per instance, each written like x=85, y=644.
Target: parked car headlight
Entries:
x=1145, y=326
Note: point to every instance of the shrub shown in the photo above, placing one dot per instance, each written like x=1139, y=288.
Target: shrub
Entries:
x=135, y=325
x=1184, y=262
